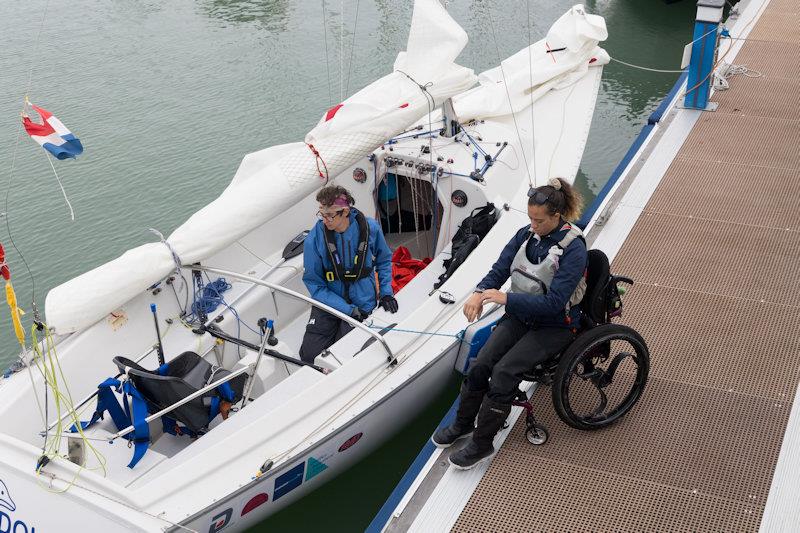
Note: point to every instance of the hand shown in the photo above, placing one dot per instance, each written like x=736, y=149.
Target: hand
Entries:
x=495, y=296
x=389, y=303
x=358, y=314
x=474, y=307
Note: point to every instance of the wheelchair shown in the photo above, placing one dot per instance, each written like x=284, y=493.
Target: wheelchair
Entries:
x=601, y=375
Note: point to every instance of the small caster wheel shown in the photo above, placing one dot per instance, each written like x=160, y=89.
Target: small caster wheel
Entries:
x=505, y=424
x=536, y=435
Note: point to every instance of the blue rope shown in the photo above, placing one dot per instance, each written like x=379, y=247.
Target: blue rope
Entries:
x=459, y=335
x=210, y=296
x=475, y=144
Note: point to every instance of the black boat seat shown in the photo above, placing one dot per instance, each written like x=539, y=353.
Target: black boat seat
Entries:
x=179, y=378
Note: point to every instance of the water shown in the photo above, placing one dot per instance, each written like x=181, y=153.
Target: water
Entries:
x=167, y=97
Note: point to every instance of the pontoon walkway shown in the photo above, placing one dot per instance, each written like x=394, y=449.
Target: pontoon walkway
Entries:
x=706, y=218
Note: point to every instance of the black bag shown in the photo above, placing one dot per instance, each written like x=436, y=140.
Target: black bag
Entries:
x=472, y=230
x=479, y=222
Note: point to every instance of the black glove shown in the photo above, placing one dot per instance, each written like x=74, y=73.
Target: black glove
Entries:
x=389, y=303
x=358, y=314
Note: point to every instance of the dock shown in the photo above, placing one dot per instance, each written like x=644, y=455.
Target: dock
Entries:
x=704, y=215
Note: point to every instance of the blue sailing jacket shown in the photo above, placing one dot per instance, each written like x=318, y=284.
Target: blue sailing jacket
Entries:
x=363, y=293
x=546, y=310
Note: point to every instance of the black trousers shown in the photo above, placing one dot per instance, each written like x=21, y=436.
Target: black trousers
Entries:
x=513, y=349
x=323, y=329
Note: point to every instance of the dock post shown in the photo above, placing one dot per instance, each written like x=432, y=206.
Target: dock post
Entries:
x=698, y=83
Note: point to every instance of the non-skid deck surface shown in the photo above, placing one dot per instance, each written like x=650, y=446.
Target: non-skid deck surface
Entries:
x=715, y=257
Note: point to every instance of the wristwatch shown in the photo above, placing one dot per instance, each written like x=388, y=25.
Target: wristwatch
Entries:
x=478, y=290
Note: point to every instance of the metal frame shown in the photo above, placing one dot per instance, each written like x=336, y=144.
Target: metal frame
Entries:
x=92, y=395
x=338, y=314
x=189, y=398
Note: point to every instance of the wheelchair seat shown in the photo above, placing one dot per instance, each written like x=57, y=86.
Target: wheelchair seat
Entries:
x=594, y=307
x=179, y=378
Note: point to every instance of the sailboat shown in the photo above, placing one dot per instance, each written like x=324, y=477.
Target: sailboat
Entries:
x=420, y=149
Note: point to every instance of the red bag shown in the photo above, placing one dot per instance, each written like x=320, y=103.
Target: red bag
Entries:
x=405, y=267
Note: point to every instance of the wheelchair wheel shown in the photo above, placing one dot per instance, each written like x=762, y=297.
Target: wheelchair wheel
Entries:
x=600, y=376
x=536, y=435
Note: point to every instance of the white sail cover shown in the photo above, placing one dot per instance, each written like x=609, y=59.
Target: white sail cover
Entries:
x=345, y=134
x=558, y=60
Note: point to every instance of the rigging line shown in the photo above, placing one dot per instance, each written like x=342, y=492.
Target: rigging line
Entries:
x=352, y=47
x=508, y=95
x=561, y=130
x=327, y=61
x=63, y=192
x=341, y=51
x=14, y=160
x=530, y=84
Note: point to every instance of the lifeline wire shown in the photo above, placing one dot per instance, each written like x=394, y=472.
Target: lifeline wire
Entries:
x=327, y=63
x=14, y=159
x=352, y=47
x=508, y=95
x=530, y=83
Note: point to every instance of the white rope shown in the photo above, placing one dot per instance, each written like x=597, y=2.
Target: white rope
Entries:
x=643, y=68
x=648, y=69
x=175, y=258
x=727, y=71
x=63, y=192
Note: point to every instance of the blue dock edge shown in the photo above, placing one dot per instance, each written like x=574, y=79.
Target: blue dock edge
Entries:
x=385, y=514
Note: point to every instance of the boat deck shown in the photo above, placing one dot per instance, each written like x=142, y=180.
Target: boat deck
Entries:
x=714, y=252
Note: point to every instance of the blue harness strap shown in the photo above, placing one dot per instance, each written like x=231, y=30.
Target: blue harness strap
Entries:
x=138, y=413
x=106, y=401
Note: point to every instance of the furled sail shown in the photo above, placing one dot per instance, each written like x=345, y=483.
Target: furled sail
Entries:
x=346, y=133
x=558, y=60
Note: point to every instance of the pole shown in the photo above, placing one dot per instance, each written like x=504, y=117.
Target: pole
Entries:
x=709, y=15
x=160, y=348
x=251, y=381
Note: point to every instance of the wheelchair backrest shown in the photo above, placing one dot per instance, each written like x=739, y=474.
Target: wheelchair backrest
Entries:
x=602, y=299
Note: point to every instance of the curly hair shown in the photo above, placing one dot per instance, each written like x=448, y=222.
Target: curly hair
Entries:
x=330, y=193
x=562, y=198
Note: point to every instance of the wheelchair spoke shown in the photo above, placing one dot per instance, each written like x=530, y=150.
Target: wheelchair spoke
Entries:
x=601, y=378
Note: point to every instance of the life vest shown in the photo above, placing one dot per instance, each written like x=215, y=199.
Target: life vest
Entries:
x=339, y=272
x=530, y=278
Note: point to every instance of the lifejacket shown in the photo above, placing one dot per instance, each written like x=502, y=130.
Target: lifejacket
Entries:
x=530, y=278
x=339, y=272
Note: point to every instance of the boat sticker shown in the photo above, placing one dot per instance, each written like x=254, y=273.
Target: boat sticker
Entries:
x=221, y=520
x=286, y=483
x=255, y=501
x=5, y=498
x=351, y=441
x=315, y=467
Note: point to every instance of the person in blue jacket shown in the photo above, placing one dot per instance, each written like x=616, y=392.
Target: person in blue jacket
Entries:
x=341, y=255
x=546, y=262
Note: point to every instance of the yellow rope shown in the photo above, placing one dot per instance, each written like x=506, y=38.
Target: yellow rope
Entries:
x=50, y=368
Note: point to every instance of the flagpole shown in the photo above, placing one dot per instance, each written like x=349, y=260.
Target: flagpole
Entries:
x=71, y=212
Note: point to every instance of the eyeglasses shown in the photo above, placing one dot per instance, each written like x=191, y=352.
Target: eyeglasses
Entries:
x=328, y=216
x=539, y=197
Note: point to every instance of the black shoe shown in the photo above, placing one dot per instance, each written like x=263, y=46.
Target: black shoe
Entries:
x=464, y=425
x=490, y=419
x=447, y=436
x=470, y=455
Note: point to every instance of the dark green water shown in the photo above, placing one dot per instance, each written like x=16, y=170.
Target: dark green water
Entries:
x=167, y=97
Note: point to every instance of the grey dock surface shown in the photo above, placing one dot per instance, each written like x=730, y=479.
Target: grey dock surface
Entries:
x=714, y=443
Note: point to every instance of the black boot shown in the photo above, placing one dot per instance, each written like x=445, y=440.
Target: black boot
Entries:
x=469, y=404
x=490, y=420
